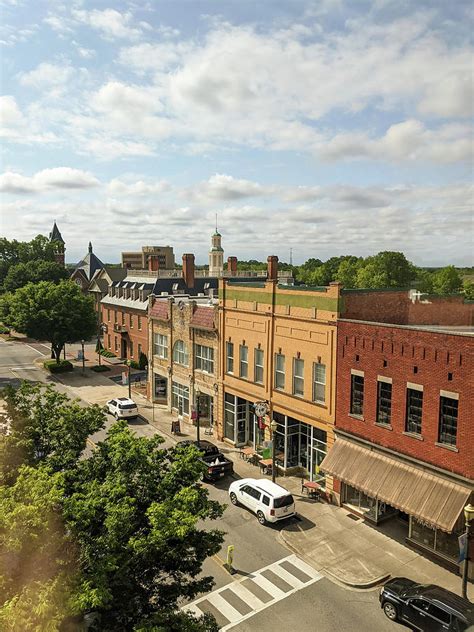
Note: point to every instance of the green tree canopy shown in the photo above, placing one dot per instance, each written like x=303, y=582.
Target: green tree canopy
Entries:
x=386, y=269
x=13, y=252
x=447, y=281
x=20, y=274
x=58, y=313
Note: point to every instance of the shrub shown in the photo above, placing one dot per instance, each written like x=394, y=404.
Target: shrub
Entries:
x=100, y=368
x=134, y=364
x=54, y=367
x=107, y=354
x=4, y=330
x=142, y=361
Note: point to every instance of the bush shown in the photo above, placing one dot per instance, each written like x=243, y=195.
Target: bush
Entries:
x=100, y=368
x=107, y=354
x=134, y=364
x=4, y=330
x=142, y=361
x=54, y=367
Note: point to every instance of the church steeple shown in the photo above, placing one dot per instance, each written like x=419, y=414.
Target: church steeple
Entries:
x=59, y=244
x=216, y=255
x=90, y=247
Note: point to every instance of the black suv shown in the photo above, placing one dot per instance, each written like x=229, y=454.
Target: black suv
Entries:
x=426, y=607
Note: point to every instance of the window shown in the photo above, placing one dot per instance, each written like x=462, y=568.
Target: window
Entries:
x=139, y=351
x=139, y=322
x=115, y=315
x=438, y=613
x=298, y=377
x=319, y=382
x=204, y=358
x=116, y=343
x=357, y=394
x=180, y=353
x=130, y=347
x=180, y=398
x=279, y=371
x=259, y=366
x=160, y=345
x=448, y=420
x=266, y=500
x=131, y=321
x=244, y=361
x=384, y=402
x=123, y=318
x=108, y=315
x=414, y=411
x=230, y=357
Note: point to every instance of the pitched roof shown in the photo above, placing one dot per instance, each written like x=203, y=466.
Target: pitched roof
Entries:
x=160, y=310
x=203, y=317
x=55, y=235
x=90, y=264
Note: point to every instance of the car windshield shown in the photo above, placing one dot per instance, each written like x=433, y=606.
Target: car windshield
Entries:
x=283, y=501
x=127, y=406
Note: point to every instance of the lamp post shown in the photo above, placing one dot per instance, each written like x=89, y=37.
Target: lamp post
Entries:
x=273, y=426
x=129, y=365
x=468, y=516
x=83, y=358
x=198, y=395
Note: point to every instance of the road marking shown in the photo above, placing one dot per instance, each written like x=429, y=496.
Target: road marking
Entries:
x=242, y=589
x=42, y=354
x=22, y=368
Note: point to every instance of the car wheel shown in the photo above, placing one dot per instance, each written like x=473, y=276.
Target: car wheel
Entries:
x=116, y=416
x=390, y=611
x=233, y=499
x=261, y=517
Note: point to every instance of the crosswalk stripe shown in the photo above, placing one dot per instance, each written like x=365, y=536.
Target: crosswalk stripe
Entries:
x=247, y=596
x=288, y=577
x=193, y=609
x=268, y=586
x=224, y=607
x=306, y=568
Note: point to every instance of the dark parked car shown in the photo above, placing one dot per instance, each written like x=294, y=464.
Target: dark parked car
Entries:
x=217, y=464
x=426, y=607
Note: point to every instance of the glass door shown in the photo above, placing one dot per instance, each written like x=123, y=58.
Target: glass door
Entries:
x=242, y=432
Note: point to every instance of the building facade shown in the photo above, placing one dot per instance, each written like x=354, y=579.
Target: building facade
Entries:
x=184, y=356
x=86, y=269
x=404, y=445
x=216, y=256
x=59, y=245
x=278, y=346
x=150, y=258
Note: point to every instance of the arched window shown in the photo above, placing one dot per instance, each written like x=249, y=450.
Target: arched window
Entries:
x=180, y=353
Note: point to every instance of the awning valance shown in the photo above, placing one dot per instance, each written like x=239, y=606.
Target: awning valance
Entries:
x=426, y=496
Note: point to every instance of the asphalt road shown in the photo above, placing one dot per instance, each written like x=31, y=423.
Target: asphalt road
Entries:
x=322, y=605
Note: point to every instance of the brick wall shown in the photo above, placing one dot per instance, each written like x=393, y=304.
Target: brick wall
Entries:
x=437, y=361
x=112, y=340
x=397, y=307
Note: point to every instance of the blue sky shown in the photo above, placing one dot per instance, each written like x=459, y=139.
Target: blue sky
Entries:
x=330, y=127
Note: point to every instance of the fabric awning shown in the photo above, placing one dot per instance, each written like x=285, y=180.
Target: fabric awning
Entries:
x=415, y=491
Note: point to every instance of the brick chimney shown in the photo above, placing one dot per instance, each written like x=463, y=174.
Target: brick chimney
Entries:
x=188, y=270
x=232, y=265
x=153, y=263
x=272, y=268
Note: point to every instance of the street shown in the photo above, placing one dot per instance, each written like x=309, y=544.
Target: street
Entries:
x=271, y=585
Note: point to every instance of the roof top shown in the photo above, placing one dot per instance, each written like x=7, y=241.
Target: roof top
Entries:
x=271, y=488
x=55, y=235
x=90, y=264
x=203, y=317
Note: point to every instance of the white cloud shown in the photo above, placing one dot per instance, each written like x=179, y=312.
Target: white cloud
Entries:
x=111, y=23
x=222, y=187
x=138, y=188
x=47, y=180
x=47, y=75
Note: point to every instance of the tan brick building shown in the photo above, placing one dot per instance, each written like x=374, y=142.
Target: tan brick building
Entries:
x=278, y=344
x=184, y=355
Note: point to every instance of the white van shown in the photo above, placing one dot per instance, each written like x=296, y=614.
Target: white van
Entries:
x=269, y=501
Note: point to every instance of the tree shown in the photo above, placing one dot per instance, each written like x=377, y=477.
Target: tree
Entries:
x=447, y=281
x=468, y=289
x=424, y=281
x=386, y=269
x=20, y=274
x=347, y=271
x=46, y=428
x=14, y=252
x=58, y=313
x=133, y=509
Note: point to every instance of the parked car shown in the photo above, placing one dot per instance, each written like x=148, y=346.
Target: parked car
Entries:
x=217, y=464
x=269, y=501
x=426, y=607
x=122, y=408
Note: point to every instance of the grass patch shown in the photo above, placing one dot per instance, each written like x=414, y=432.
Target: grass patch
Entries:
x=53, y=367
x=100, y=368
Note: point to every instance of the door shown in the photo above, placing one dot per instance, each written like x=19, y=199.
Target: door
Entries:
x=416, y=613
x=123, y=351
x=242, y=422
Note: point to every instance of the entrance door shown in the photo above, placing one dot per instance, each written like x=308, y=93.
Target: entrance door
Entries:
x=241, y=437
x=161, y=387
x=123, y=352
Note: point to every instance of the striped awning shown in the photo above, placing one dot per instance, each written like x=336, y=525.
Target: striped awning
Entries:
x=418, y=492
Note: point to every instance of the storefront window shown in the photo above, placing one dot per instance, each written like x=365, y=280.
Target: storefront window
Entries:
x=293, y=442
x=229, y=416
x=423, y=534
x=180, y=398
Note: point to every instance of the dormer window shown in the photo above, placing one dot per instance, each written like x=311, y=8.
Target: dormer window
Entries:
x=175, y=287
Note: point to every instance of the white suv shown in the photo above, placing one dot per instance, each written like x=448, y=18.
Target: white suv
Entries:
x=269, y=501
x=122, y=408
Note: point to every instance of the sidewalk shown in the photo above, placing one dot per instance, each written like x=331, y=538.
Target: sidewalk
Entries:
x=341, y=546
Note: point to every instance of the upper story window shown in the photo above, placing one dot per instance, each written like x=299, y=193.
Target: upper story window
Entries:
x=115, y=315
x=244, y=361
x=108, y=315
x=139, y=322
x=414, y=411
x=180, y=353
x=258, y=358
x=204, y=358
x=357, y=394
x=160, y=345
x=448, y=420
x=319, y=382
x=384, y=402
x=123, y=318
x=298, y=377
x=279, y=371
x=229, y=357
x=131, y=321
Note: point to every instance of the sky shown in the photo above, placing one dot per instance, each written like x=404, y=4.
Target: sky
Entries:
x=327, y=127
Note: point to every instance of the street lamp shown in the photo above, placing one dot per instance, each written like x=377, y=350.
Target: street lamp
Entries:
x=129, y=364
x=273, y=426
x=83, y=358
x=468, y=516
x=198, y=395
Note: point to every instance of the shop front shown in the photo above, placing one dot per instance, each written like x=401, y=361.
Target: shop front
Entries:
x=379, y=486
x=160, y=387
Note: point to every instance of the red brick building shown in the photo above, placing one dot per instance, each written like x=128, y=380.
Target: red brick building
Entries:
x=404, y=428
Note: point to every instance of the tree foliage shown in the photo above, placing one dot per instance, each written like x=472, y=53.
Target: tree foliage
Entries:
x=14, y=252
x=447, y=281
x=58, y=313
x=20, y=274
